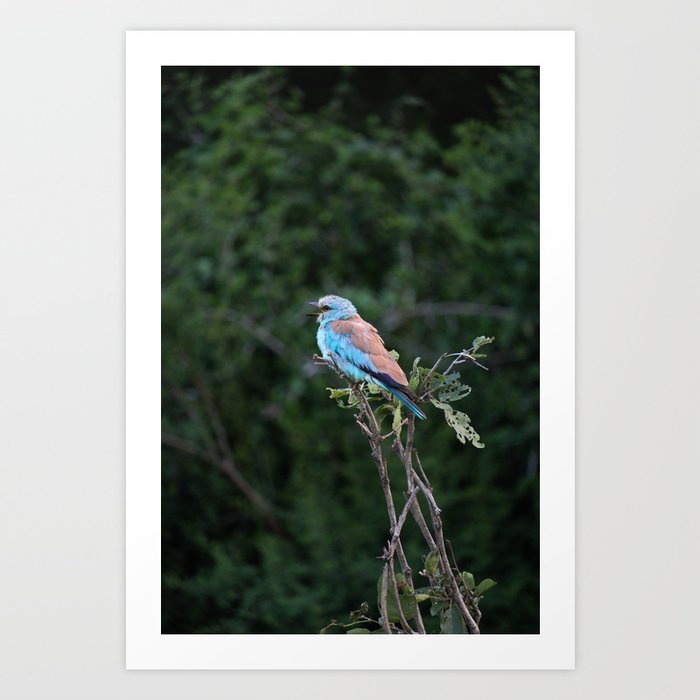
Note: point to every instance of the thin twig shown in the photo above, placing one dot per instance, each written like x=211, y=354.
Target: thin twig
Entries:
x=257, y=330
x=423, y=474
x=430, y=374
x=412, y=491
x=192, y=408
x=417, y=482
x=454, y=308
x=190, y=448
x=382, y=599
x=400, y=522
x=405, y=453
x=445, y=563
x=461, y=358
x=452, y=554
x=389, y=556
x=395, y=589
x=219, y=453
x=239, y=481
x=373, y=434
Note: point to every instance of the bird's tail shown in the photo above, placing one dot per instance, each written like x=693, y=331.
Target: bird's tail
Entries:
x=406, y=401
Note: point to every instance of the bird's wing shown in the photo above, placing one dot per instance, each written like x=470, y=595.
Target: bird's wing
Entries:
x=360, y=343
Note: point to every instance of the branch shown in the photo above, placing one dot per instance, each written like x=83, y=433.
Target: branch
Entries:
x=369, y=426
x=430, y=374
x=263, y=334
x=397, y=597
x=445, y=562
x=188, y=447
x=405, y=457
x=449, y=308
x=400, y=523
x=239, y=481
x=382, y=599
x=444, y=586
x=219, y=452
x=389, y=557
x=423, y=391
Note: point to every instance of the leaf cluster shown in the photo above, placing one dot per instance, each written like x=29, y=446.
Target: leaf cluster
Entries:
x=436, y=595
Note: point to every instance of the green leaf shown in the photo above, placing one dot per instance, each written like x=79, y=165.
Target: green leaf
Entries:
x=394, y=354
x=396, y=423
x=460, y=423
x=408, y=600
x=454, y=392
x=458, y=624
x=338, y=393
x=486, y=585
x=418, y=373
x=382, y=412
x=438, y=605
x=345, y=393
x=442, y=381
x=451, y=621
x=431, y=563
x=358, y=630
x=468, y=580
x=481, y=340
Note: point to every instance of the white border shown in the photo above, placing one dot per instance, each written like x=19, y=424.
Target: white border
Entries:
x=146, y=648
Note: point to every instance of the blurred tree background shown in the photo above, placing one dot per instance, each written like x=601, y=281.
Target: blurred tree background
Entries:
x=415, y=193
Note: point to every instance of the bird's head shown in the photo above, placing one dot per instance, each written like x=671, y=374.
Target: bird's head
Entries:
x=333, y=308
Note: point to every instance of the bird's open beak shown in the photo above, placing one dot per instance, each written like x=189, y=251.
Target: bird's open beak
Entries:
x=313, y=303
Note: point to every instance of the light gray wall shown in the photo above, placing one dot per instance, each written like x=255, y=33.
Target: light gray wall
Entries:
x=62, y=347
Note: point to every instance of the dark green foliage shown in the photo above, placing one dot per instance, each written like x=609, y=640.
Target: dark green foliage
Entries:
x=272, y=196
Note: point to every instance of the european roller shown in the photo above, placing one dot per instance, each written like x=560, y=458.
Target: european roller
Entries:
x=358, y=351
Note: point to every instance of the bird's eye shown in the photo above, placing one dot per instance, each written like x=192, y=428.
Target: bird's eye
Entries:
x=326, y=308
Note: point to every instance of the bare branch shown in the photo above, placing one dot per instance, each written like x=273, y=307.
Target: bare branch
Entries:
x=430, y=374
x=417, y=482
x=220, y=454
x=190, y=448
x=258, y=331
x=382, y=598
x=450, y=308
x=402, y=519
x=228, y=468
x=397, y=597
x=461, y=358
x=456, y=596
x=424, y=392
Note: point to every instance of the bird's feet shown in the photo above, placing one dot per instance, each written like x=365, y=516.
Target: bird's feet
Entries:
x=328, y=362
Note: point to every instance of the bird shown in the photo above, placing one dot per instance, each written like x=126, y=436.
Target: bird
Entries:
x=357, y=350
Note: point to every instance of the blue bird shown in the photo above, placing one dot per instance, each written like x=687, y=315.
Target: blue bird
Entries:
x=358, y=351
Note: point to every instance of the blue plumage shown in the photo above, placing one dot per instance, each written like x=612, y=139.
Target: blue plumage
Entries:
x=358, y=351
